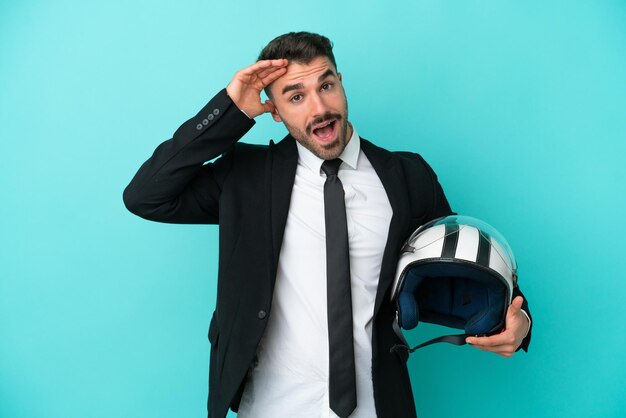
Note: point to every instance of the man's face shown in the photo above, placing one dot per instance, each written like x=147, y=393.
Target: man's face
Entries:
x=310, y=101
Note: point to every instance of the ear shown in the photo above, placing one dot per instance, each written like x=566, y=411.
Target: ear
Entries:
x=339, y=76
x=275, y=114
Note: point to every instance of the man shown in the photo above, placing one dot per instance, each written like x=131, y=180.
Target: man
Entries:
x=271, y=343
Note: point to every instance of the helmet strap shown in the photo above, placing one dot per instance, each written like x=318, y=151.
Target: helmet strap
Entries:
x=458, y=339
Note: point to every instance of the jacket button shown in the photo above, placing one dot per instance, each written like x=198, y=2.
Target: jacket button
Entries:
x=216, y=112
x=205, y=122
x=210, y=117
x=262, y=314
x=199, y=126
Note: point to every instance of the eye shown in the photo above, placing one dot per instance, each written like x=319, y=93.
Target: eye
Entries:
x=327, y=86
x=295, y=98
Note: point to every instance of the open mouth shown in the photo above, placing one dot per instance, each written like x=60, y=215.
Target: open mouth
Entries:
x=325, y=131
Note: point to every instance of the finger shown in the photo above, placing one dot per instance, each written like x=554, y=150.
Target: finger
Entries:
x=281, y=62
x=503, y=338
x=517, y=302
x=260, y=65
x=270, y=70
x=515, y=307
x=266, y=71
x=268, y=106
x=270, y=78
x=504, y=351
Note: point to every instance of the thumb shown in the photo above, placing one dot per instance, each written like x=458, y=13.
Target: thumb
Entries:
x=268, y=106
x=516, y=305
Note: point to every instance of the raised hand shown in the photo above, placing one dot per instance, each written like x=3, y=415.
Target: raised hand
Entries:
x=246, y=86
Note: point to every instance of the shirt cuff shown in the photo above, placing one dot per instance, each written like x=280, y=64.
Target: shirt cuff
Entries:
x=251, y=119
x=529, y=322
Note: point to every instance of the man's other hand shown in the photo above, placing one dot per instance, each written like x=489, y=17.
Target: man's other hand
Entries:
x=246, y=86
x=511, y=337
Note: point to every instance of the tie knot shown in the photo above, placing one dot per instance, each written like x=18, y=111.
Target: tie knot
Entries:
x=331, y=167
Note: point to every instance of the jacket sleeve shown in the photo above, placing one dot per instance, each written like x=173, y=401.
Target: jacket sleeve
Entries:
x=526, y=341
x=440, y=206
x=175, y=185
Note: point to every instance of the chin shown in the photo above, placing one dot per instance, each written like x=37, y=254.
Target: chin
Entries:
x=329, y=151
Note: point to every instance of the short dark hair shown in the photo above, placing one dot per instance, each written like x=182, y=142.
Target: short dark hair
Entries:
x=300, y=47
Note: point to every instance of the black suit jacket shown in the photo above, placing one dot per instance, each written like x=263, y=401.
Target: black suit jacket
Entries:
x=247, y=191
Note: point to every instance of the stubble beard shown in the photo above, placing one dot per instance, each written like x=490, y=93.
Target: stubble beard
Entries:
x=324, y=151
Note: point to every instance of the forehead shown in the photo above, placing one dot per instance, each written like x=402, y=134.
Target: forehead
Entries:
x=303, y=73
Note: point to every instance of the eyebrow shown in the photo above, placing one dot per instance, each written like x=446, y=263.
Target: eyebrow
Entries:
x=299, y=86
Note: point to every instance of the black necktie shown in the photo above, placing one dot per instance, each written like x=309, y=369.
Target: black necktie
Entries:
x=342, y=383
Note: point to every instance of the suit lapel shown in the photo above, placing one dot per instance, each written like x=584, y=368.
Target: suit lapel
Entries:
x=281, y=171
x=390, y=173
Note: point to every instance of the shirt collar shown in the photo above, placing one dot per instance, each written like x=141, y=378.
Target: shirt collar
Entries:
x=349, y=156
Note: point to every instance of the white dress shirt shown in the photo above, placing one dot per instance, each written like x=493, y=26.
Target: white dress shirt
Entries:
x=290, y=377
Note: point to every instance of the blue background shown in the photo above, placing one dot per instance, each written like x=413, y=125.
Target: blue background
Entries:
x=518, y=105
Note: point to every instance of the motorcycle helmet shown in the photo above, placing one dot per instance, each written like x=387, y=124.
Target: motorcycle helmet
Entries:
x=455, y=271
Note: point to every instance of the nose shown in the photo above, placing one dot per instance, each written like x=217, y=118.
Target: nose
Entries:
x=317, y=105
